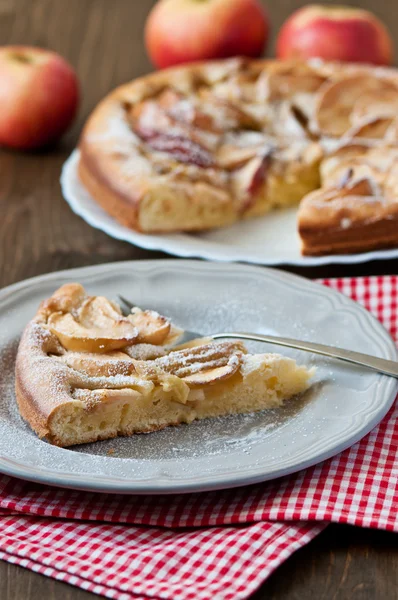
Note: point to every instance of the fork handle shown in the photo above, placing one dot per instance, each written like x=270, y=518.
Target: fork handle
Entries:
x=381, y=365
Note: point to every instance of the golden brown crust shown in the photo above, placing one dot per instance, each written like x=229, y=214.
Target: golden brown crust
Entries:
x=357, y=207
x=324, y=234
x=123, y=208
x=41, y=386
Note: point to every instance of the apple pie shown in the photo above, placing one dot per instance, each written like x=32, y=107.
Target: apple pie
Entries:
x=204, y=145
x=86, y=372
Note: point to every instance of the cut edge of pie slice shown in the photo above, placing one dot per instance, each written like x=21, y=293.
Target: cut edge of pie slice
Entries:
x=72, y=396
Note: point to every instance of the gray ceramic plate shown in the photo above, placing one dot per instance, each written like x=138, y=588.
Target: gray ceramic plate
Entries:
x=343, y=405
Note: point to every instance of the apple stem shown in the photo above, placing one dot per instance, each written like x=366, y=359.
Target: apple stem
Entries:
x=22, y=58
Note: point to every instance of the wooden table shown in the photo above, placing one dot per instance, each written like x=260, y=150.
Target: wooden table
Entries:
x=39, y=234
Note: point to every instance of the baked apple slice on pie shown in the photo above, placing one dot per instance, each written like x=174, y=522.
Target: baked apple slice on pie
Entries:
x=86, y=372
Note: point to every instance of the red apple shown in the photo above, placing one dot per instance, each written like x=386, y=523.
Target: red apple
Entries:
x=335, y=33
x=179, y=31
x=39, y=95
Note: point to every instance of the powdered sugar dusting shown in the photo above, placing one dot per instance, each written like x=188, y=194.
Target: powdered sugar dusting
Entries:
x=199, y=358
x=7, y=381
x=118, y=131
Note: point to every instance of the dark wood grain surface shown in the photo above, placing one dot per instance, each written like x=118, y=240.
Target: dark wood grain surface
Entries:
x=39, y=234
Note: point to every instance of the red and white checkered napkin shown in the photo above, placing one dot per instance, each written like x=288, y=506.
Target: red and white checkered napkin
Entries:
x=219, y=545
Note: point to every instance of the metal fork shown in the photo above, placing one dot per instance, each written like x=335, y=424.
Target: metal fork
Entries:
x=381, y=365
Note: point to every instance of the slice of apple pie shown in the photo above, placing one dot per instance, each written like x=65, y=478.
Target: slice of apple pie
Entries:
x=85, y=372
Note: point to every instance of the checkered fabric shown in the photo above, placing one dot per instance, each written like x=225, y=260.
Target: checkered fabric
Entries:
x=125, y=562
x=215, y=545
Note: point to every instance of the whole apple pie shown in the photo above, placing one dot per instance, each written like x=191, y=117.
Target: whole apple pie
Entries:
x=85, y=372
x=204, y=145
